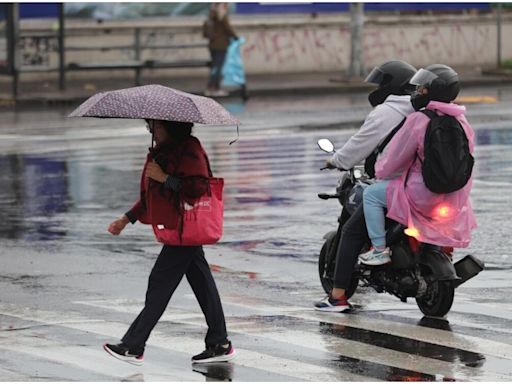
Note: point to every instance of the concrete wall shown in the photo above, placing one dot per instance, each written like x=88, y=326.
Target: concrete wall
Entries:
x=297, y=43
x=470, y=42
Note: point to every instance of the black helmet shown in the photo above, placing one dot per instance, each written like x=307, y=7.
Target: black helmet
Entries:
x=441, y=81
x=392, y=78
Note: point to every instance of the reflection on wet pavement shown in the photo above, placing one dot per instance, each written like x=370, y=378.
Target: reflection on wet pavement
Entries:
x=413, y=347
x=494, y=136
x=385, y=372
x=134, y=378
x=270, y=184
x=34, y=193
x=215, y=371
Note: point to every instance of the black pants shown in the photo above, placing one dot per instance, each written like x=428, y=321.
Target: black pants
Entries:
x=172, y=263
x=354, y=236
x=218, y=58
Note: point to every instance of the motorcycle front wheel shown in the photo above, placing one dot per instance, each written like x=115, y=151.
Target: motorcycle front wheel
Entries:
x=326, y=265
x=438, y=299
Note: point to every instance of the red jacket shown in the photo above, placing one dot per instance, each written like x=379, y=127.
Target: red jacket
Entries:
x=159, y=205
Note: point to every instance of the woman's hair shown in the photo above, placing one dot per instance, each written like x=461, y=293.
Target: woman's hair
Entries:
x=178, y=130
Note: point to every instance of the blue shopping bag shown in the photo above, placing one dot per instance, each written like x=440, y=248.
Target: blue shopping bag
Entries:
x=233, y=73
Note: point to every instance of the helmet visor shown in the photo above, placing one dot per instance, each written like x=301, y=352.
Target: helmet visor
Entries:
x=375, y=76
x=422, y=77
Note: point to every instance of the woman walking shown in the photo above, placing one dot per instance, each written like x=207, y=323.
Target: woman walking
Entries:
x=175, y=174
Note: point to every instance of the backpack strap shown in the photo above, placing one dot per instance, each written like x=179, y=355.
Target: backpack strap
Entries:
x=429, y=113
x=388, y=138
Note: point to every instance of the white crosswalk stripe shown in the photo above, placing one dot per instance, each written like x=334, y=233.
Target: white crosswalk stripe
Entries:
x=9, y=375
x=356, y=349
x=98, y=362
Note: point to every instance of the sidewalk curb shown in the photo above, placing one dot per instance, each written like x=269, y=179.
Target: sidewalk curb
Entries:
x=331, y=87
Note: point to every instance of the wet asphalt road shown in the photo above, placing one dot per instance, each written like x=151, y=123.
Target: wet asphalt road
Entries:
x=66, y=285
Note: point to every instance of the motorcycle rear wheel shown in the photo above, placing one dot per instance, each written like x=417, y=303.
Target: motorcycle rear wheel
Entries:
x=327, y=263
x=438, y=299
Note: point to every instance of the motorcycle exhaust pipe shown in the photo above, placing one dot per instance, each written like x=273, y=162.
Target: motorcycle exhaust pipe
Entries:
x=467, y=268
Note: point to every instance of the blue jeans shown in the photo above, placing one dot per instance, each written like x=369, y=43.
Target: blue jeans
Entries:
x=374, y=204
x=218, y=58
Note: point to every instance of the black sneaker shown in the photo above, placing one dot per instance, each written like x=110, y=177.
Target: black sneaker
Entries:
x=215, y=354
x=122, y=352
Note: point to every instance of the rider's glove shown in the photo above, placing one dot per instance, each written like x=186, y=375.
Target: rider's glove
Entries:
x=329, y=165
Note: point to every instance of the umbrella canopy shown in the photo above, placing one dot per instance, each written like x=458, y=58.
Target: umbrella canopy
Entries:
x=155, y=102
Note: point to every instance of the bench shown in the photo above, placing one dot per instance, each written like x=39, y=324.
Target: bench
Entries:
x=177, y=64
x=137, y=66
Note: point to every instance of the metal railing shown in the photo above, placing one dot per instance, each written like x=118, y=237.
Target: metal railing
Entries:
x=36, y=49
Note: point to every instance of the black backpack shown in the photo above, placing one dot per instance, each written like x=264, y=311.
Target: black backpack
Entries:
x=448, y=163
x=369, y=163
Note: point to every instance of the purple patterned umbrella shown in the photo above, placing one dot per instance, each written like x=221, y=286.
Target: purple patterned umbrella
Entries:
x=155, y=102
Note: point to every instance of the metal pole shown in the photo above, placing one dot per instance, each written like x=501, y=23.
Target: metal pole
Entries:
x=62, y=70
x=12, y=47
x=356, y=39
x=9, y=34
x=137, y=54
x=498, y=33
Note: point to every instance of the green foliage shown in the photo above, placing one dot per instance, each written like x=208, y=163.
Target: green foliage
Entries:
x=119, y=11
x=507, y=64
x=504, y=5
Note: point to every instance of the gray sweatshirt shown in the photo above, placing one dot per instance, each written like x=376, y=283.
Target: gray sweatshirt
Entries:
x=377, y=125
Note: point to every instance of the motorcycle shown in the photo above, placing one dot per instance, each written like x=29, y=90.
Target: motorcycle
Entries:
x=418, y=270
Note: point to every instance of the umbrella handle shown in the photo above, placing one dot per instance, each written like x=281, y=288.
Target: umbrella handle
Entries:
x=237, y=136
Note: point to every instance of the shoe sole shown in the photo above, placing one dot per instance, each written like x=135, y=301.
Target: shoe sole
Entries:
x=126, y=359
x=374, y=265
x=332, y=309
x=217, y=359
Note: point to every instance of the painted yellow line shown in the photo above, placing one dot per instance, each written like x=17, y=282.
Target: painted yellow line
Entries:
x=476, y=99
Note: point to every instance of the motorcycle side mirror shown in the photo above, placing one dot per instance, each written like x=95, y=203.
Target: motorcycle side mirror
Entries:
x=326, y=145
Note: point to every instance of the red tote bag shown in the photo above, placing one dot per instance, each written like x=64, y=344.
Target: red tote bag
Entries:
x=201, y=223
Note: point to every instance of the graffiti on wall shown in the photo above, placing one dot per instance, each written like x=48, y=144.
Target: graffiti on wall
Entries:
x=37, y=50
x=329, y=48
x=455, y=44
x=322, y=48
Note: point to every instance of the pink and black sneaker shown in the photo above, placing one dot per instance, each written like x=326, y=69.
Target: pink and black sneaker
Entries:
x=215, y=354
x=122, y=352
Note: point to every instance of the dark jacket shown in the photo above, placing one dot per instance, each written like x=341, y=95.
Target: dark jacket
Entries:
x=159, y=205
x=218, y=32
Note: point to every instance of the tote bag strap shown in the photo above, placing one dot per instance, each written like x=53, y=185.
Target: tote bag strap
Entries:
x=210, y=173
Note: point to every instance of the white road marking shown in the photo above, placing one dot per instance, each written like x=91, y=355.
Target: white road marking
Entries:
x=183, y=344
x=359, y=350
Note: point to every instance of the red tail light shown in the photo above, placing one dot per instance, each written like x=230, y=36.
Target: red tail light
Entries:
x=442, y=211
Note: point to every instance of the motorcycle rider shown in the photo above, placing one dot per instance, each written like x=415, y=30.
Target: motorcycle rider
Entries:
x=444, y=219
x=392, y=103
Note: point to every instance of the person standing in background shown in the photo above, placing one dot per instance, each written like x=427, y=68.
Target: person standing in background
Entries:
x=218, y=31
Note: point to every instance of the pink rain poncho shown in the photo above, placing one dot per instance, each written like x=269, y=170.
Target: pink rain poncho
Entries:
x=440, y=219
